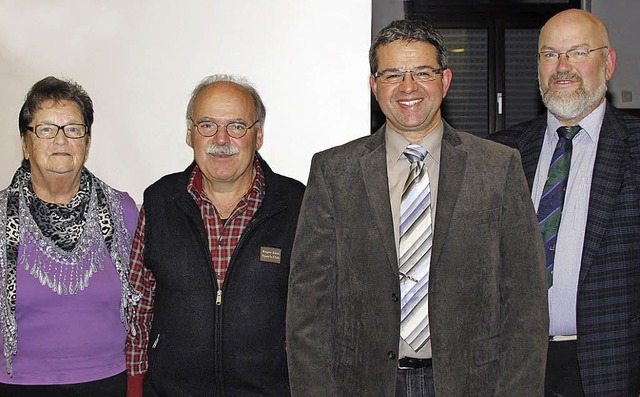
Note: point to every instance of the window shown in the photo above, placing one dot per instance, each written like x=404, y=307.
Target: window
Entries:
x=492, y=48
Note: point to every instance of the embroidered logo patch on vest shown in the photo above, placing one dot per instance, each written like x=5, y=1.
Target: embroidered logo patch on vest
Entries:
x=272, y=255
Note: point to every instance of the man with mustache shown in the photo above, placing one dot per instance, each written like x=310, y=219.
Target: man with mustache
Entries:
x=211, y=259
x=582, y=162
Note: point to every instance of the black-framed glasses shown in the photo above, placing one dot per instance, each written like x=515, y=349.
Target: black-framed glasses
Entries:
x=575, y=55
x=420, y=74
x=50, y=131
x=235, y=129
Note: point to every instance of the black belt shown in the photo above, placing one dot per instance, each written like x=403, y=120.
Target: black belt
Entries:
x=409, y=362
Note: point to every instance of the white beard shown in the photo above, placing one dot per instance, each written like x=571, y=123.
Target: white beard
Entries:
x=576, y=104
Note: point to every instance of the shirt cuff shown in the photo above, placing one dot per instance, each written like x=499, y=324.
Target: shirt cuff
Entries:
x=134, y=385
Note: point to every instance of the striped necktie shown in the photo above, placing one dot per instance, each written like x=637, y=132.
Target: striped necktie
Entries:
x=552, y=200
x=415, y=250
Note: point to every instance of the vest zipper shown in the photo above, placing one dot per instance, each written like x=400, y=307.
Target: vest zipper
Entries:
x=218, y=332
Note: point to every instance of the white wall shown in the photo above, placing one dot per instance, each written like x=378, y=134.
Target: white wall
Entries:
x=139, y=60
x=621, y=17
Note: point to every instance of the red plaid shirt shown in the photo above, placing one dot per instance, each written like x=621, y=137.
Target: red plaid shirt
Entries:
x=223, y=237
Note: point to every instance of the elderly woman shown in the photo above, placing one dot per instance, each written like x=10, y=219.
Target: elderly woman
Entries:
x=65, y=238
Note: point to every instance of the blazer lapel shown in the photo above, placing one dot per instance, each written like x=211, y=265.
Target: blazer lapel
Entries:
x=605, y=186
x=452, y=169
x=373, y=166
x=530, y=144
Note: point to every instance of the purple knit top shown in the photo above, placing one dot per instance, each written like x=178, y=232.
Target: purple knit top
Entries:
x=70, y=338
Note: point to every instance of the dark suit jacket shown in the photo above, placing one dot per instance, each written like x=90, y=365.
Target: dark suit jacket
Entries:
x=608, y=306
x=487, y=302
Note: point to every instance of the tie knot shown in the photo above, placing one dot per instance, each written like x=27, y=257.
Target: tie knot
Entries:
x=568, y=131
x=415, y=152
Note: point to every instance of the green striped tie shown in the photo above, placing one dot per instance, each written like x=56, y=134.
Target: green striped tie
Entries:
x=552, y=200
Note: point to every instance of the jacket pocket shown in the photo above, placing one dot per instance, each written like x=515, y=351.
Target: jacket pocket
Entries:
x=155, y=342
x=152, y=352
x=486, y=350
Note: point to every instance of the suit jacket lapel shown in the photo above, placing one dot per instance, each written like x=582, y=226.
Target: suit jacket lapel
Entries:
x=452, y=170
x=605, y=186
x=530, y=144
x=373, y=166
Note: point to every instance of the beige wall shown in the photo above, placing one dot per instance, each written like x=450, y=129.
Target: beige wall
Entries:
x=139, y=61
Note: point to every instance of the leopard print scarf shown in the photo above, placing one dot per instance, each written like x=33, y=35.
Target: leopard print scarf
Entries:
x=70, y=243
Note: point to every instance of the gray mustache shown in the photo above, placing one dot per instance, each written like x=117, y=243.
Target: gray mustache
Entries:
x=223, y=150
x=565, y=75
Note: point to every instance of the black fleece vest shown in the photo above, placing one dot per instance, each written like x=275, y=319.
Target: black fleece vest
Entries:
x=199, y=348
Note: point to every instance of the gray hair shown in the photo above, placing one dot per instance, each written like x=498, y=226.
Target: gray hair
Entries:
x=260, y=112
x=409, y=31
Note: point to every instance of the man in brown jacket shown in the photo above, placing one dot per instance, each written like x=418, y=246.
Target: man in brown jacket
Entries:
x=467, y=316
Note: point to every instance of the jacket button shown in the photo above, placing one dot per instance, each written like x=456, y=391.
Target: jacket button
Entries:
x=391, y=355
x=394, y=297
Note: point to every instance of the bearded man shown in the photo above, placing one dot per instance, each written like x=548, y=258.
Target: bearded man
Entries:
x=582, y=162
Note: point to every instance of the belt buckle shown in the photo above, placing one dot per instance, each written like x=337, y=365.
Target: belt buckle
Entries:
x=562, y=338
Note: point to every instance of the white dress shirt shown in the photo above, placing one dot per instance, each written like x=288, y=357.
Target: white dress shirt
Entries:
x=568, y=254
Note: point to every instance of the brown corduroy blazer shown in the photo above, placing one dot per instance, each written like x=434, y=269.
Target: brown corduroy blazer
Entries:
x=487, y=288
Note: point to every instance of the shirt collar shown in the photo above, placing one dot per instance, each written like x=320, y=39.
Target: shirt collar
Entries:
x=196, y=190
x=396, y=143
x=591, y=123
